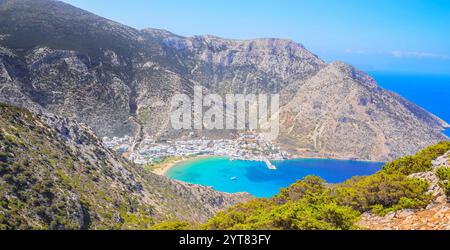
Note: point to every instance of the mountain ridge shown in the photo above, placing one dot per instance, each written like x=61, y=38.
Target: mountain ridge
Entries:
x=364, y=108
x=119, y=80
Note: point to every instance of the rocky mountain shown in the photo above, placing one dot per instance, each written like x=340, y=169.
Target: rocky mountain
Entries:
x=56, y=174
x=342, y=112
x=120, y=80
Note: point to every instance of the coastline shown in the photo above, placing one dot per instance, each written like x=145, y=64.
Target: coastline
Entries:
x=298, y=153
x=165, y=167
x=330, y=158
x=224, y=175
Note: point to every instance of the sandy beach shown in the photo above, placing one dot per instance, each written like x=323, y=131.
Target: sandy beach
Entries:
x=164, y=167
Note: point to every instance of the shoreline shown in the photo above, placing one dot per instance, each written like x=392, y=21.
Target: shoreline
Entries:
x=332, y=158
x=162, y=170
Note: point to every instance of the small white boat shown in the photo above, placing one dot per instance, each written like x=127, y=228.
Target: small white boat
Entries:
x=233, y=178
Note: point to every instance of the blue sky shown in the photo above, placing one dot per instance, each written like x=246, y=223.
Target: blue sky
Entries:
x=374, y=35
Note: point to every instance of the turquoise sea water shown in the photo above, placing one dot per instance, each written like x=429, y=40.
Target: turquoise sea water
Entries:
x=431, y=92
x=254, y=177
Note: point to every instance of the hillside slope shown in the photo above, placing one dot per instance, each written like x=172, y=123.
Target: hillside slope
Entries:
x=56, y=174
x=342, y=110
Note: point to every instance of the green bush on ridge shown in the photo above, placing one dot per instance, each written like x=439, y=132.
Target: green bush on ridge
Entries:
x=171, y=225
x=443, y=173
x=421, y=162
x=312, y=207
x=382, y=193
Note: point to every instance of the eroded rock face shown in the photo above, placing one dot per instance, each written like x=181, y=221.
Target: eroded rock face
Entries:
x=120, y=81
x=434, y=218
x=342, y=112
x=244, y=66
x=442, y=161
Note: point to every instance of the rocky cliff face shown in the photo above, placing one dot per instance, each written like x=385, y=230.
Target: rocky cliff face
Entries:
x=342, y=112
x=56, y=174
x=120, y=80
x=243, y=66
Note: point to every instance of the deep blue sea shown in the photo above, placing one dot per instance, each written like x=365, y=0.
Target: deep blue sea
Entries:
x=254, y=177
x=429, y=91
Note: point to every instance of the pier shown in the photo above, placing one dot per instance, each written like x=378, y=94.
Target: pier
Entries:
x=269, y=164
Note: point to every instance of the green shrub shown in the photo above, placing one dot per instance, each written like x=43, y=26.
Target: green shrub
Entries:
x=421, y=162
x=403, y=203
x=3, y=157
x=304, y=215
x=307, y=204
x=388, y=191
x=408, y=165
x=309, y=188
x=248, y=215
x=446, y=186
x=443, y=173
x=311, y=204
x=171, y=225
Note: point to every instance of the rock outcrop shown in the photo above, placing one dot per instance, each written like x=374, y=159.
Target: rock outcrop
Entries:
x=436, y=216
x=433, y=218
